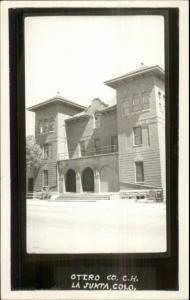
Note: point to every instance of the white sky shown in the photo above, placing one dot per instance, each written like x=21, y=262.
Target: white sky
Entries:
x=74, y=55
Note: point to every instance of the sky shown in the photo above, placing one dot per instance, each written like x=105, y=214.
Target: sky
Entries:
x=75, y=55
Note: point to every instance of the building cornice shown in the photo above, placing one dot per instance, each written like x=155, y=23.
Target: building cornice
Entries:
x=54, y=100
x=157, y=70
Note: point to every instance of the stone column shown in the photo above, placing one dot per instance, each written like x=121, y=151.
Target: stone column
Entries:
x=96, y=181
x=78, y=183
x=58, y=178
x=61, y=184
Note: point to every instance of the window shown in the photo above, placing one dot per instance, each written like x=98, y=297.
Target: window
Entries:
x=45, y=127
x=125, y=108
x=51, y=124
x=160, y=101
x=163, y=102
x=139, y=169
x=136, y=103
x=45, y=177
x=40, y=127
x=48, y=153
x=97, y=145
x=137, y=135
x=145, y=100
x=82, y=148
x=146, y=136
x=114, y=143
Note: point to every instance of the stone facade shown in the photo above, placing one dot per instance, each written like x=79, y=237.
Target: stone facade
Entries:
x=105, y=148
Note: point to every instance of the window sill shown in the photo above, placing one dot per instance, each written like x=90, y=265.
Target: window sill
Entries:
x=45, y=132
x=146, y=110
x=47, y=159
x=135, y=112
x=136, y=146
x=140, y=111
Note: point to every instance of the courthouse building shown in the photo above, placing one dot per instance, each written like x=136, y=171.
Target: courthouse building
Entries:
x=104, y=148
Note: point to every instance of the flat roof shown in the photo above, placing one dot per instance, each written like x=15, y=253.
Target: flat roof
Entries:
x=56, y=99
x=140, y=71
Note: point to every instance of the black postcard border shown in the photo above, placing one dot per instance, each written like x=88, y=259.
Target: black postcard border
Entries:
x=27, y=269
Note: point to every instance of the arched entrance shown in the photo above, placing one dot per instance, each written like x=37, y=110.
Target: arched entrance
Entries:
x=88, y=180
x=70, y=181
x=106, y=179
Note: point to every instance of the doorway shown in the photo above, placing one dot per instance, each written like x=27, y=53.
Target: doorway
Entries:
x=71, y=181
x=88, y=180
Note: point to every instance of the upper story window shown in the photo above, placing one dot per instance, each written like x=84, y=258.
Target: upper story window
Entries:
x=161, y=101
x=125, y=108
x=45, y=125
x=139, y=170
x=145, y=100
x=114, y=143
x=51, y=125
x=47, y=151
x=40, y=127
x=146, y=136
x=136, y=103
x=137, y=131
x=97, y=145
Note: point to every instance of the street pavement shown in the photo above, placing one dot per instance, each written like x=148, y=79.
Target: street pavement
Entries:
x=105, y=226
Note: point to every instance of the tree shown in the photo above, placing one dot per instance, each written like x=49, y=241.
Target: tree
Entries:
x=33, y=153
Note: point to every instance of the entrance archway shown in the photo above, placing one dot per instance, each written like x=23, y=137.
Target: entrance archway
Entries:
x=88, y=180
x=70, y=181
x=106, y=179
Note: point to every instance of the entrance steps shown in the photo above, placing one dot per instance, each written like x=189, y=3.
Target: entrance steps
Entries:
x=82, y=197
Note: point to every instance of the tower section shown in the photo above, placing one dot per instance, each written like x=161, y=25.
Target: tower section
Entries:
x=51, y=136
x=141, y=128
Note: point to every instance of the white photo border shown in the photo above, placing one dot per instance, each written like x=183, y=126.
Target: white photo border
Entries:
x=183, y=158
